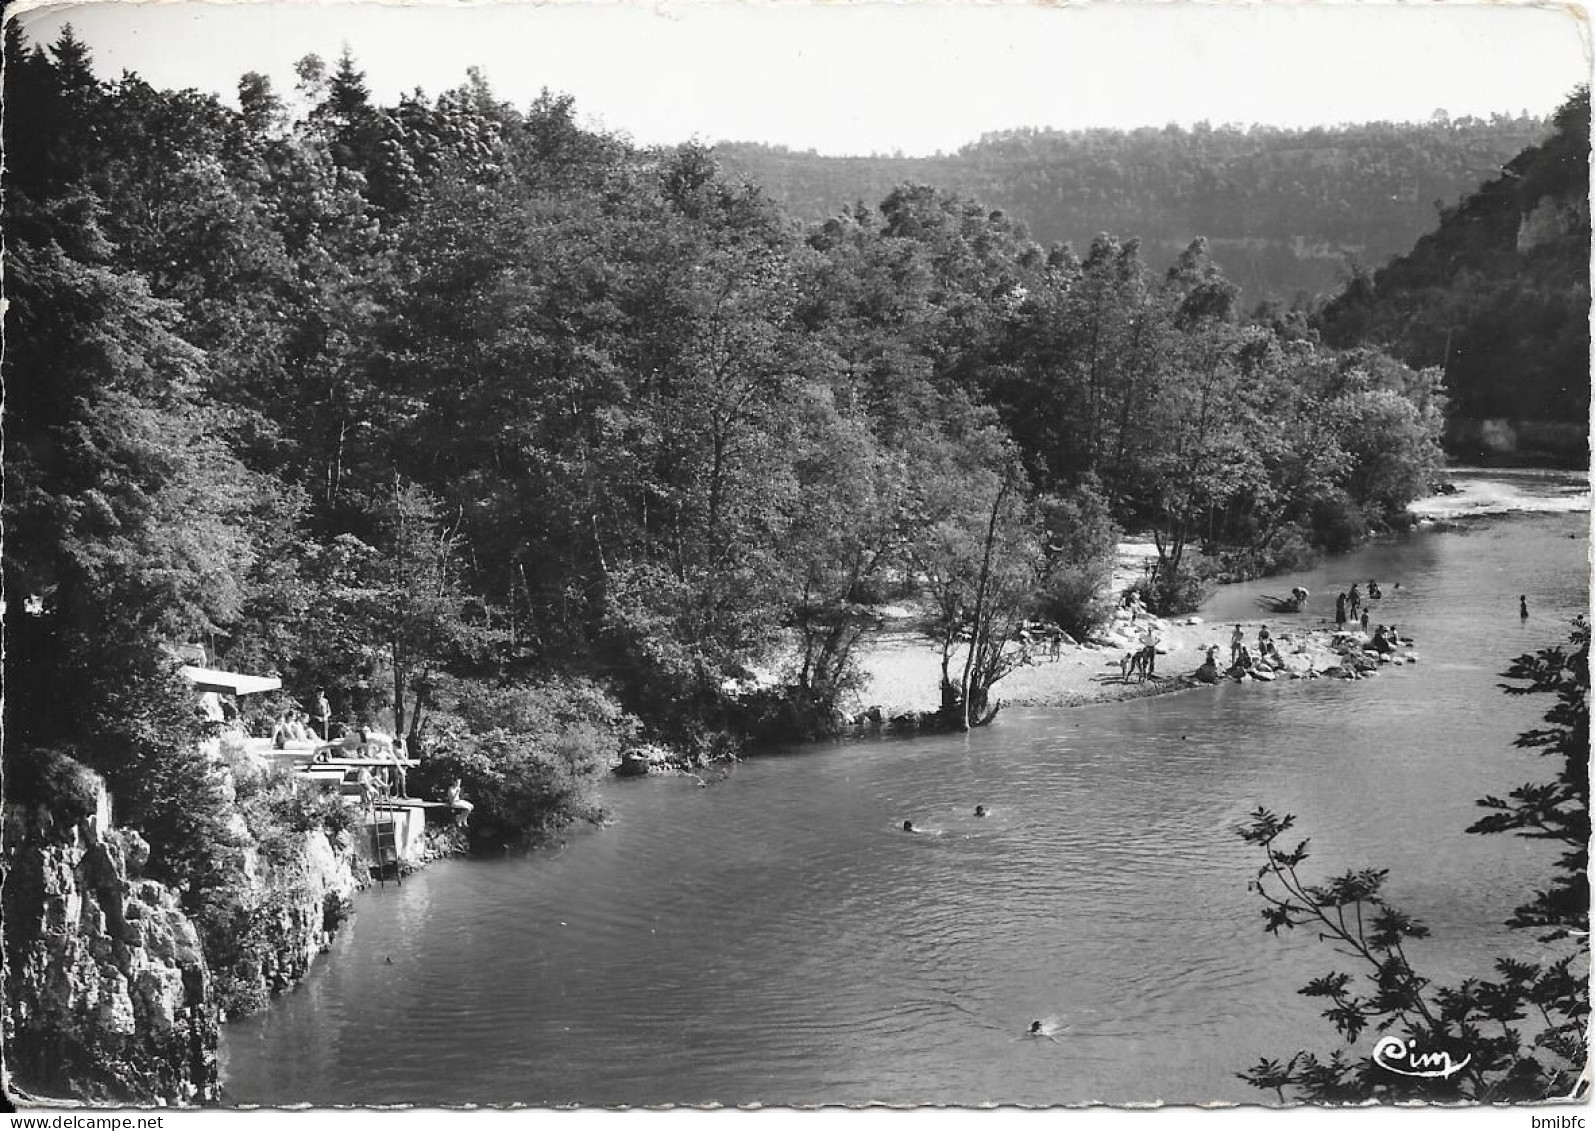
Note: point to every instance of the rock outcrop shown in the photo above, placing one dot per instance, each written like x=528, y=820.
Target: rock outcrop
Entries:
x=113, y=992
x=286, y=913
x=108, y=997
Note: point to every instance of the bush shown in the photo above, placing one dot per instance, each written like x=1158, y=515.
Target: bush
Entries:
x=528, y=756
x=52, y=779
x=1289, y=550
x=1338, y=523
x=1173, y=593
x=280, y=801
x=770, y=715
x=1072, y=598
x=1081, y=542
x=145, y=735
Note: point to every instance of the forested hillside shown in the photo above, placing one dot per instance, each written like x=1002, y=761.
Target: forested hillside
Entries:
x=1284, y=211
x=1497, y=295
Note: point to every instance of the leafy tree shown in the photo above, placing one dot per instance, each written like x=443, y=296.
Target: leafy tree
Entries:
x=125, y=519
x=1080, y=544
x=978, y=554
x=846, y=540
x=1519, y=1037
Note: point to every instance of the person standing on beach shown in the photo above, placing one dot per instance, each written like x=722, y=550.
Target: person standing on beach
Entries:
x=1523, y=607
x=325, y=712
x=1365, y=621
x=1237, y=642
x=1354, y=601
x=1340, y=610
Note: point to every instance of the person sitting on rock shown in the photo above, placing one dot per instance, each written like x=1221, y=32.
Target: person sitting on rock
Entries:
x=456, y=801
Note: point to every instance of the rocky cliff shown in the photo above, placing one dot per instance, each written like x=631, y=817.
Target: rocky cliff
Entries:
x=108, y=997
x=114, y=992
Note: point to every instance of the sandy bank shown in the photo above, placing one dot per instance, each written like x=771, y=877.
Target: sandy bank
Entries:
x=904, y=669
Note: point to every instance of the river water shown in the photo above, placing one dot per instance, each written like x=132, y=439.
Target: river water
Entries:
x=776, y=939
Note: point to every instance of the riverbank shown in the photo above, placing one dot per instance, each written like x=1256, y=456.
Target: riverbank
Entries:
x=903, y=668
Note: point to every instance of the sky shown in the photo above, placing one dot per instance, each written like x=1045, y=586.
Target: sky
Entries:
x=859, y=77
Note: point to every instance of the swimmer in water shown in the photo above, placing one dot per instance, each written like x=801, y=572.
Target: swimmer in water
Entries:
x=1038, y=1030
x=908, y=826
x=980, y=810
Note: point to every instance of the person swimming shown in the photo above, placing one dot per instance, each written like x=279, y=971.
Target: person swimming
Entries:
x=980, y=810
x=1038, y=1029
x=908, y=826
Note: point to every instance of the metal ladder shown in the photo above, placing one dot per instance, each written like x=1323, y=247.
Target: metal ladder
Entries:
x=385, y=843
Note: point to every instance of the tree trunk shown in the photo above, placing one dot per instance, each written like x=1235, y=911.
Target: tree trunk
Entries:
x=977, y=629
x=398, y=691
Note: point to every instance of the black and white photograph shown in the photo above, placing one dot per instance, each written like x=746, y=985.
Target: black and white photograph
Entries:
x=588, y=556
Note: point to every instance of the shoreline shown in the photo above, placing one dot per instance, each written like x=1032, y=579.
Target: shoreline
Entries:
x=903, y=667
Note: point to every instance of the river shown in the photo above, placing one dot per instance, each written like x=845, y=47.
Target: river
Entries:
x=776, y=939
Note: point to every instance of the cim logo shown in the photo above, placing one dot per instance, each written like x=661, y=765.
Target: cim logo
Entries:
x=1404, y=1058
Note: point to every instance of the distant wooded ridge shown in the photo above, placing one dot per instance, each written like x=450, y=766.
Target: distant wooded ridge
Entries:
x=1284, y=211
x=1498, y=297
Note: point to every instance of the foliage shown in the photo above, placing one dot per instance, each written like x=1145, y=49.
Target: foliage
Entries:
x=528, y=756
x=1517, y=1037
x=1557, y=811
x=1080, y=542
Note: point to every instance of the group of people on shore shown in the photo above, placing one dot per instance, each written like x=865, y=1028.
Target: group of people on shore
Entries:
x=1242, y=660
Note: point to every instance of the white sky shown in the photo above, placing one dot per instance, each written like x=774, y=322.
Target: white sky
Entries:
x=854, y=76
